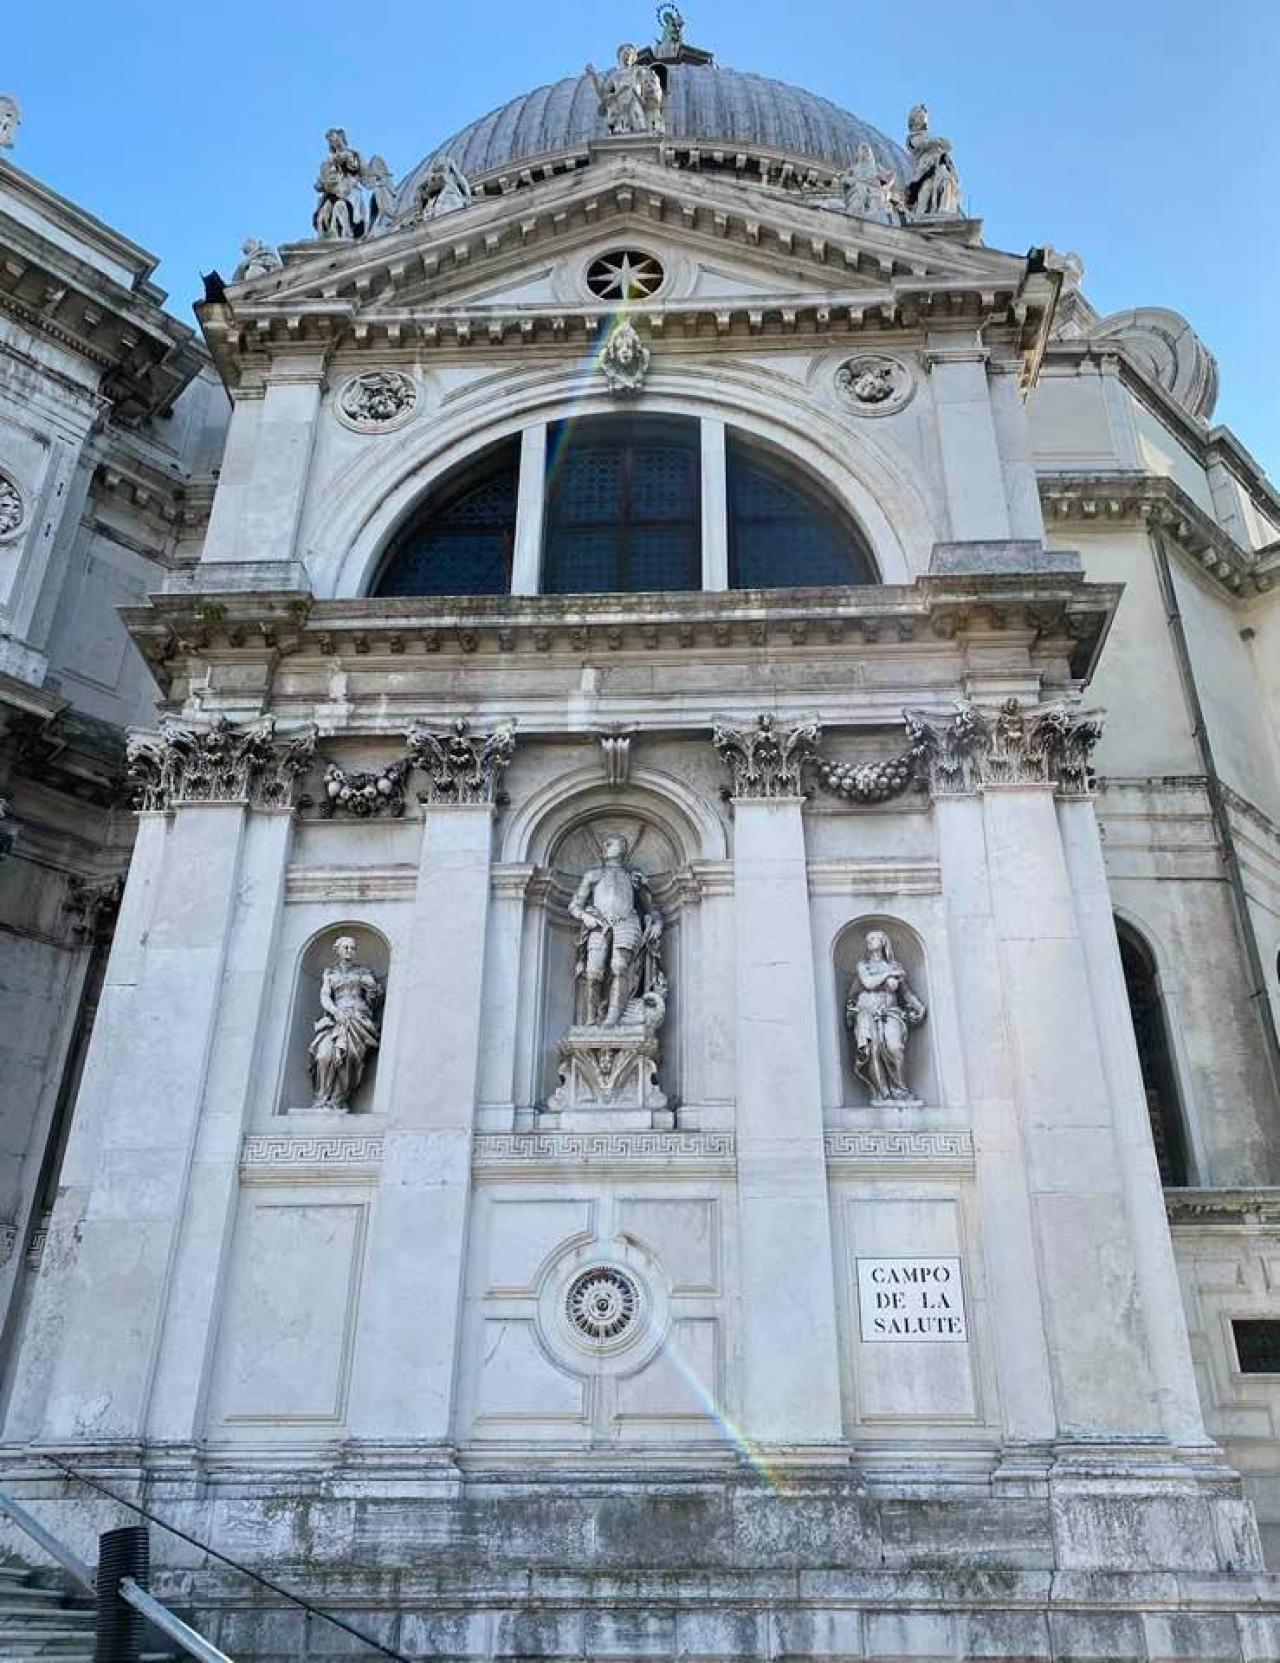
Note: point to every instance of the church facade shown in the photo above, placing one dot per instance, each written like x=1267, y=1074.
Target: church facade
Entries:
x=641, y=909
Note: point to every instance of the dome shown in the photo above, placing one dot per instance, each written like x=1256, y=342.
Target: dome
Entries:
x=706, y=104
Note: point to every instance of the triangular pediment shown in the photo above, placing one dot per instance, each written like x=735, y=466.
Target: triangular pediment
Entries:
x=738, y=256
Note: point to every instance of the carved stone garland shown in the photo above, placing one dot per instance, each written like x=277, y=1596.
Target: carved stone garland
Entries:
x=461, y=767
x=364, y=793
x=219, y=763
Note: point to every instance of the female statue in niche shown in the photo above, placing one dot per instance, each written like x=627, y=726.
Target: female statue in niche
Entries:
x=881, y=1011
x=347, y=1030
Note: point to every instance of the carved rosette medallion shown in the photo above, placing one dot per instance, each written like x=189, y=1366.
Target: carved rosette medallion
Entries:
x=13, y=509
x=602, y=1304
x=378, y=401
x=873, y=384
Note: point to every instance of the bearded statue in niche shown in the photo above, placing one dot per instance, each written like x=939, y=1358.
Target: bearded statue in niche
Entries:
x=347, y=1031
x=881, y=1012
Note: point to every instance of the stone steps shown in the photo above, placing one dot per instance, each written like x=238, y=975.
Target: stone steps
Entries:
x=43, y=1615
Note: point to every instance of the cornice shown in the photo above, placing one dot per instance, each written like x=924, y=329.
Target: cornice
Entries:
x=1058, y=614
x=1239, y=1209
x=1159, y=503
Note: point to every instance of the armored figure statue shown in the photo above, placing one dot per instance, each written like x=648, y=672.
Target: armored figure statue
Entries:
x=867, y=188
x=934, y=187
x=347, y=1030
x=881, y=1011
x=630, y=95
x=619, y=967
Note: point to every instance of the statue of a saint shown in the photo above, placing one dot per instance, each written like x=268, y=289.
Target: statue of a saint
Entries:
x=347, y=1030
x=881, y=1011
x=10, y=120
x=934, y=187
x=443, y=189
x=620, y=941
x=259, y=259
x=340, y=210
x=630, y=94
x=381, y=189
x=868, y=188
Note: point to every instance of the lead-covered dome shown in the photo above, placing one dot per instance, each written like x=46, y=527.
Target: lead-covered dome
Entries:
x=706, y=104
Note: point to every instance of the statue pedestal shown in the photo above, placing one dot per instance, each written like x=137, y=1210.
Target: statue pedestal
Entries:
x=608, y=1077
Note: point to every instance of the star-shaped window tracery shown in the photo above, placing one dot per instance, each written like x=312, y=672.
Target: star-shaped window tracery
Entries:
x=625, y=274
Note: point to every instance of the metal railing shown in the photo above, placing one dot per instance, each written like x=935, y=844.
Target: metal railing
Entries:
x=126, y=1589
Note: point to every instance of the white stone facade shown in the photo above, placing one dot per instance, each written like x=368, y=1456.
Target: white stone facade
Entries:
x=745, y=1359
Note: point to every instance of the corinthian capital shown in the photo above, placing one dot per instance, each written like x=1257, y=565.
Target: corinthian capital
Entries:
x=764, y=760
x=461, y=767
x=215, y=764
x=1018, y=745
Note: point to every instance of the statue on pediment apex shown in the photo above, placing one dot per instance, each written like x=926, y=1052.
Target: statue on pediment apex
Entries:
x=443, y=190
x=934, y=187
x=259, y=259
x=630, y=95
x=10, y=120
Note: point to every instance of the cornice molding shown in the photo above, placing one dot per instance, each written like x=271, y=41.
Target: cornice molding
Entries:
x=1239, y=1209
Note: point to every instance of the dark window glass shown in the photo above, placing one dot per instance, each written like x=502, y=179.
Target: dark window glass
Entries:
x=784, y=530
x=1151, y=1032
x=1257, y=1345
x=460, y=541
x=622, y=506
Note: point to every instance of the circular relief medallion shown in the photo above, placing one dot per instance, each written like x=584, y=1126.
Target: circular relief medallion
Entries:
x=625, y=274
x=874, y=384
x=13, y=511
x=602, y=1304
x=377, y=401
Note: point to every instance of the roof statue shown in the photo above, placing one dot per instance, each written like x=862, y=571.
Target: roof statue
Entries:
x=259, y=259
x=630, y=95
x=355, y=196
x=10, y=120
x=671, y=22
x=869, y=190
x=934, y=187
x=443, y=189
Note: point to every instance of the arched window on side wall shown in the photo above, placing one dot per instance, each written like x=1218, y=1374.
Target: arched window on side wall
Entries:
x=785, y=530
x=1146, y=1007
x=460, y=540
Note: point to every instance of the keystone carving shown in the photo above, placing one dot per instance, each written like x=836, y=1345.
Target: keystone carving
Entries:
x=766, y=761
x=461, y=767
x=92, y=907
x=219, y=763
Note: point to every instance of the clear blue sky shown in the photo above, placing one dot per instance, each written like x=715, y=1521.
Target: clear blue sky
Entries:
x=1143, y=134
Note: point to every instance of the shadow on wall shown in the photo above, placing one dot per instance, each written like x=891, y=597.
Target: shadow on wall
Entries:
x=849, y=950
x=372, y=951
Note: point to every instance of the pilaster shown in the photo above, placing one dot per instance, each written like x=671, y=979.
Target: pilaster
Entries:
x=976, y=495
x=790, y=1361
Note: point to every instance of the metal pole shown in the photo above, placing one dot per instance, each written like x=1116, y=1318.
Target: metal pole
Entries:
x=122, y=1554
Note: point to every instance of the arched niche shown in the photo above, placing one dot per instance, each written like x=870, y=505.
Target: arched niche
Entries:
x=1155, y=1053
x=372, y=949
x=689, y=820
x=922, y=1063
x=658, y=849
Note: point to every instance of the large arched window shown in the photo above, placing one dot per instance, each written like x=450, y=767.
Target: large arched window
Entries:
x=1142, y=983
x=784, y=530
x=459, y=542
x=622, y=505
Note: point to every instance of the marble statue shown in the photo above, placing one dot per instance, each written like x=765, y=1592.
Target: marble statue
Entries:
x=444, y=189
x=259, y=259
x=10, y=120
x=868, y=189
x=934, y=187
x=619, y=943
x=380, y=190
x=630, y=95
x=671, y=22
x=624, y=359
x=347, y=1030
x=881, y=1011
x=340, y=212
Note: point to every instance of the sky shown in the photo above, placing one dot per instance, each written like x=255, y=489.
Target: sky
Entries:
x=1143, y=135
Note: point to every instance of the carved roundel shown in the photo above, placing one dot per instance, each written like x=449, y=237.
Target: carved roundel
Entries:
x=625, y=274
x=13, y=508
x=377, y=401
x=602, y=1303
x=873, y=384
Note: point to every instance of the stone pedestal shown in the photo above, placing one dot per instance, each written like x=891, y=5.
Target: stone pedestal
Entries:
x=614, y=1069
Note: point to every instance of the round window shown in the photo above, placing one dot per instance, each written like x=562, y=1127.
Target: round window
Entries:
x=625, y=274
